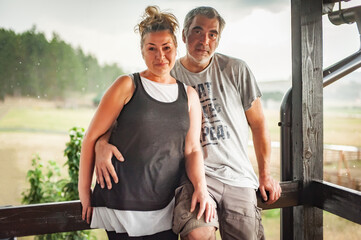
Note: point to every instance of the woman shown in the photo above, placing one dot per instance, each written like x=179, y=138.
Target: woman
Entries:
x=158, y=122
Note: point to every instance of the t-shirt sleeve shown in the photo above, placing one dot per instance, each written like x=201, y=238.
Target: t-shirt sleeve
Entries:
x=248, y=87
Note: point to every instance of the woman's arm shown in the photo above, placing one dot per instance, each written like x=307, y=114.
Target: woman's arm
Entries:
x=118, y=94
x=194, y=159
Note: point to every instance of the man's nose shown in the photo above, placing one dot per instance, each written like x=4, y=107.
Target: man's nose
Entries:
x=204, y=39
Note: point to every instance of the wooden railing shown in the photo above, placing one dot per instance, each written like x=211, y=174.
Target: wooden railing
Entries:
x=66, y=216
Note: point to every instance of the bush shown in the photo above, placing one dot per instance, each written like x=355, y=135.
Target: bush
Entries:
x=46, y=185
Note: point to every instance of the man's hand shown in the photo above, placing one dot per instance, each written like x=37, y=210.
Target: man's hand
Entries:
x=206, y=205
x=272, y=187
x=103, y=163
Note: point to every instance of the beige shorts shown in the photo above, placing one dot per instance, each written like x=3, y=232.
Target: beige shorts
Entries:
x=185, y=221
x=238, y=214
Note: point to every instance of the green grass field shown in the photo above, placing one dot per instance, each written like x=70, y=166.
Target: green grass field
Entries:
x=38, y=127
x=338, y=130
x=44, y=119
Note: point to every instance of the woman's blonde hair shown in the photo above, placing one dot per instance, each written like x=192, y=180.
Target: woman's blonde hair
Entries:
x=154, y=20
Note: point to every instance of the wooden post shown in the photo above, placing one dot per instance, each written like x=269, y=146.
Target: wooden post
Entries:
x=307, y=112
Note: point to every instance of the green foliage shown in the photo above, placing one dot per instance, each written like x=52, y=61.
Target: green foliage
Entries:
x=271, y=213
x=72, y=152
x=31, y=65
x=46, y=185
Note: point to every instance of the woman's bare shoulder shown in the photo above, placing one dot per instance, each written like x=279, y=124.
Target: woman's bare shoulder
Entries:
x=122, y=89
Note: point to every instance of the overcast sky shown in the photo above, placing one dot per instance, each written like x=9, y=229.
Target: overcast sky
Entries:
x=256, y=31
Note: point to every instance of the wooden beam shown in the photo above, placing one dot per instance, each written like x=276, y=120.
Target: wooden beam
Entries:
x=39, y=219
x=307, y=111
x=334, y=1
x=291, y=196
x=66, y=216
x=344, y=202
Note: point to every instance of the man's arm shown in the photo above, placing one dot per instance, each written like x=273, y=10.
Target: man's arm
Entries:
x=262, y=146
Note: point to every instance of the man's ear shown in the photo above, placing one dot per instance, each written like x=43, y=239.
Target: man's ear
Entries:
x=184, y=36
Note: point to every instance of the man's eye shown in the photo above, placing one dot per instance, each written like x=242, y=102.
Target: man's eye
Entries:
x=151, y=48
x=195, y=31
x=213, y=36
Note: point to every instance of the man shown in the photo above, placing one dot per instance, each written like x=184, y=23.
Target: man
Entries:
x=231, y=105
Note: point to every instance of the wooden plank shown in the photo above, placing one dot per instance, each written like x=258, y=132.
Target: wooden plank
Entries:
x=344, y=202
x=291, y=196
x=334, y=1
x=41, y=219
x=307, y=111
x=66, y=216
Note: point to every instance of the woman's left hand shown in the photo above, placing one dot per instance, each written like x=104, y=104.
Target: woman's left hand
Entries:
x=206, y=204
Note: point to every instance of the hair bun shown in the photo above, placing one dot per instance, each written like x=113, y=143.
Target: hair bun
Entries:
x=154, y=20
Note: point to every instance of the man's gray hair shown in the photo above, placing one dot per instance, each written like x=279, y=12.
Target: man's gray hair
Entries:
x=208, y=12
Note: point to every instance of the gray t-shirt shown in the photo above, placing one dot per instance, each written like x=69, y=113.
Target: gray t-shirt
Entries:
x=226, y=89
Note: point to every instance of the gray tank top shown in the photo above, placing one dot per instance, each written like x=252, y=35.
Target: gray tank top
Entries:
x=151, y=136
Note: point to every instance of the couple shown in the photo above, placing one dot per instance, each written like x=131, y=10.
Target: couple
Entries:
x=157, y=182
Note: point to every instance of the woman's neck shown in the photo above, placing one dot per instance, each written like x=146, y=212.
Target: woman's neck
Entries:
x=164, y=78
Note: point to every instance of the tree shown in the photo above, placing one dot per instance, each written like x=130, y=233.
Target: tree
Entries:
x=30, y=65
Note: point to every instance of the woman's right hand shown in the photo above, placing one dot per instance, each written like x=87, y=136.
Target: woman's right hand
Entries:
x=87, y=210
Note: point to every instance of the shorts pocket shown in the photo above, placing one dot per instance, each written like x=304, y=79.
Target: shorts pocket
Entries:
x=181, y=214
x=183, y=192
x=259, y=226
x=241, y=224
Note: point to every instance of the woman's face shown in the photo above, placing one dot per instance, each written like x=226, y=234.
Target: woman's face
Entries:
x=159, y=52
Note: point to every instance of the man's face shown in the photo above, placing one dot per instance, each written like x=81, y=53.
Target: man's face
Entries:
x=202, y=39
